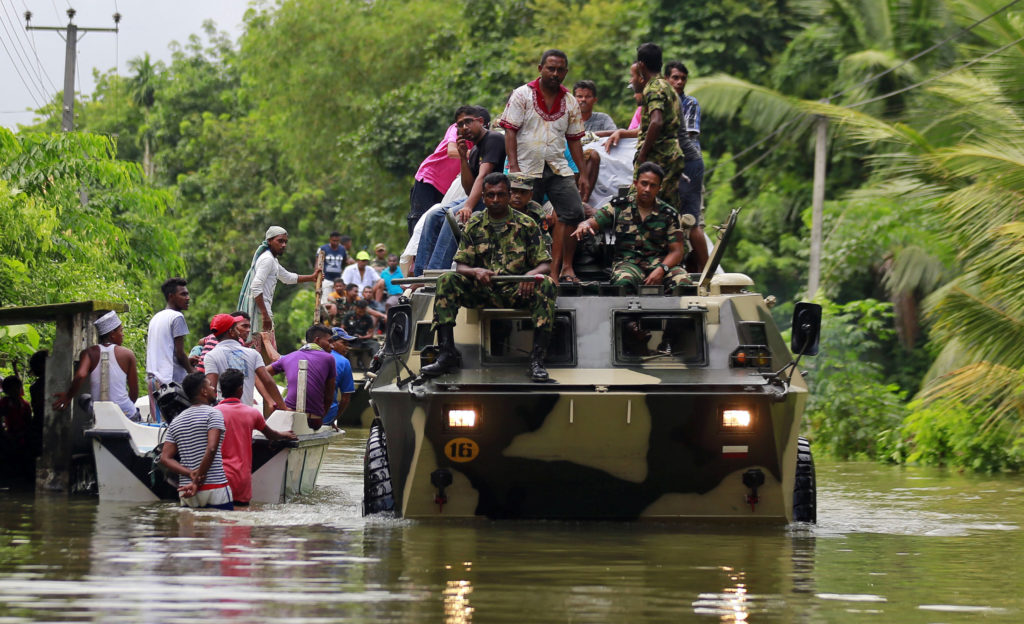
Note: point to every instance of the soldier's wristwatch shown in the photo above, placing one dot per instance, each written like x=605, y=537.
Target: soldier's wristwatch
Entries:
x=664, y=267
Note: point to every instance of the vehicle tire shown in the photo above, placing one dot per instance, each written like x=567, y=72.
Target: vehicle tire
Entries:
x=378, y=497
x=805, y=495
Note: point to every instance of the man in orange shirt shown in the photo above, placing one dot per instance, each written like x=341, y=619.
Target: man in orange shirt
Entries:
x=240, y=421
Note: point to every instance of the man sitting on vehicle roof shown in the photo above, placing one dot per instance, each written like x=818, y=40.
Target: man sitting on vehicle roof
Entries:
x=649, y=234
x=497, y=241
x=522, y=201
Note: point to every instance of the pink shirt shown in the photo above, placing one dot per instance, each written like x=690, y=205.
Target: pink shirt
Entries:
x=437, y=169
x=240, y=421
x=633, y=125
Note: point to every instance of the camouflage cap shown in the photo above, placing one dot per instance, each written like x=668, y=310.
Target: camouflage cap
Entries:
x=520, y=181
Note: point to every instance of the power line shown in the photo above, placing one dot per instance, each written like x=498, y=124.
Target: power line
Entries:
x=71, y=35
x=871, y=79
x=768, y=136
x=756, y=161
x=31, y=94
x=38, y=88
x=35, y=49
x=879, y=75
x=14, y=32
x=936, y=77
x=40, y=72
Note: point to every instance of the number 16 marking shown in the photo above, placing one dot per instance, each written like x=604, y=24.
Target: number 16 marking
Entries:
x=461, y=450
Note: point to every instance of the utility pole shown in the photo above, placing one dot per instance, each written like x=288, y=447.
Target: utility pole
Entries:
x=817, y=205
x=71, y=39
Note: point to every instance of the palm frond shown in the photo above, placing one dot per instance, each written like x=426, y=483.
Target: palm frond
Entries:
x=993, y=388
x=914, y=268
x=972, y=211
x=760, y=107
x=872, y=60
x=987, y=328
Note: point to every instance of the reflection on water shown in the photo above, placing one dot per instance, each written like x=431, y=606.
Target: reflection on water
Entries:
x=908, y=545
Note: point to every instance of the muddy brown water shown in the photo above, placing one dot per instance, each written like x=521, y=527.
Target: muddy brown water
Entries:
x=892, y=545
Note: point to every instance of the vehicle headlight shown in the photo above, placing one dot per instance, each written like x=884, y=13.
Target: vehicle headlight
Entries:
x=736, y=418
x=461, y=418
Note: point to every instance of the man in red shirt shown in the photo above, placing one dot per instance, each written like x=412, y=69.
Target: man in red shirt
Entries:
x=240, y=421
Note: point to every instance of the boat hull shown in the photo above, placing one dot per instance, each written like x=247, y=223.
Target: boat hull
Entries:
x=125, y=454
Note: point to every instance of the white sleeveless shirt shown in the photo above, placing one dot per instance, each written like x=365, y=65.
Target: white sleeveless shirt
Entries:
x=118, y=382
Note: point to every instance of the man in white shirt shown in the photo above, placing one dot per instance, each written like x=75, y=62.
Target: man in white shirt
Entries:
x=267, y=272
x=229, y=353
x=361, y=273
x=166, y=360
x=539, y=119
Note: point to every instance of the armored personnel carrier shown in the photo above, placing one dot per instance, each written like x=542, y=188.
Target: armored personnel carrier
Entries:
x=660, y=405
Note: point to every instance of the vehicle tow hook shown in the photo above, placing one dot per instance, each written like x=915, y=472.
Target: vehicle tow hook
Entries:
x=753, y=479
x=442, y=478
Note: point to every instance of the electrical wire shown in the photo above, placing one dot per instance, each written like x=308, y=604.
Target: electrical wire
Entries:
x=117, y=65
x=878, y=76
x=875, y=77
x=31, y=93
x=19, y=49
x=935, y=77
x=752, y=146
x=40, y=71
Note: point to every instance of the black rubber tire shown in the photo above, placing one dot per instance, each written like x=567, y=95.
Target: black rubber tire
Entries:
x=805, y=494
x=378, y=496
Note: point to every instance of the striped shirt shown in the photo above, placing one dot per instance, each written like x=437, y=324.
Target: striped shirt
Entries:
x=206, y=345
x=189, y=432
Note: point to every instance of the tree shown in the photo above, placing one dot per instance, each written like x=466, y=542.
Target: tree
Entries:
x=79, y=224
x=143, y=92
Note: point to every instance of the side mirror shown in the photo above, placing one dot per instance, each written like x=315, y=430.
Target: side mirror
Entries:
x=806, y=328
x=399, y=330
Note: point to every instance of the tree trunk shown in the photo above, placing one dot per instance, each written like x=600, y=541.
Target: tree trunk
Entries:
x=147, y=159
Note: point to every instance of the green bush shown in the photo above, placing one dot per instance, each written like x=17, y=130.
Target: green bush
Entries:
x=850, y=402
x=947, y=434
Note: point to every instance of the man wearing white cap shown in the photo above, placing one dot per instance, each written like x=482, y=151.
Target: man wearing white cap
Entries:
x=257, y=294
x=122, y=371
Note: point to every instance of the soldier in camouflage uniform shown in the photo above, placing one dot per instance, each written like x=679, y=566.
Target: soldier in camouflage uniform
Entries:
x=522, y=201
x=496, y=241
x=659, y=122
x=649, y=234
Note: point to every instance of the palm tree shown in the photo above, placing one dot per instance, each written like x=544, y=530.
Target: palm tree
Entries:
x=961, y=156
x=865, y=38
x=143, y=91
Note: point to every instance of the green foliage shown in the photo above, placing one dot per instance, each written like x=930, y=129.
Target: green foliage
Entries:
x=317, y=118
x=732, y=36
x=850, y=402
x=957, y=436
x=78, y=224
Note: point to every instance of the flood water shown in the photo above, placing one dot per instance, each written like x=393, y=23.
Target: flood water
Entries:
x=892, y=545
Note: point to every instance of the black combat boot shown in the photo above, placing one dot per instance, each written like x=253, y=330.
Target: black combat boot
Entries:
x=541, y=340
x=448, y=358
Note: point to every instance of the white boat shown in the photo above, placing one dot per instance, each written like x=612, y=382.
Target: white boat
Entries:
x=125, y=453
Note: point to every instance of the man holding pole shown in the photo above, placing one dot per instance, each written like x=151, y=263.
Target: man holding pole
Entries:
x=257, y=295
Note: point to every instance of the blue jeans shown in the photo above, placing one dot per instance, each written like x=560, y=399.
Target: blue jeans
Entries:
x=690, y=192
x=434, y=226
